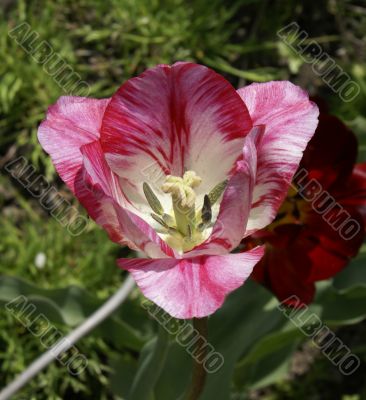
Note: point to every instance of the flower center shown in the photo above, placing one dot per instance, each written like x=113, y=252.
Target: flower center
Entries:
x=292, y=211
x=183, y=200
x=184, y=227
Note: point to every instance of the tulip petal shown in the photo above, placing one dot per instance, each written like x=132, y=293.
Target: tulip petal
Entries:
x=70, y=123
x=332, y=251
x=297, y=256
x=281, y=269
x=290, y=121
x=97, y=188
x=171, y=119
x=194, y=287
x=232, y=219
x=352, y=194
x=331, y=154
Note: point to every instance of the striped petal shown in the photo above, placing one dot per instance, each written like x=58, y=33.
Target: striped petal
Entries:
x=70, y=123
x=193, y=287
x=232, y=218
x=171, y=119
x=290, y=120
x=97, y=188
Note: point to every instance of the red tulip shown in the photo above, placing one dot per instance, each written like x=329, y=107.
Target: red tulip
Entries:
x=320, y=225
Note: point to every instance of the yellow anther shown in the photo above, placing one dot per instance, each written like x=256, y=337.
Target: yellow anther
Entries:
x=181, y=189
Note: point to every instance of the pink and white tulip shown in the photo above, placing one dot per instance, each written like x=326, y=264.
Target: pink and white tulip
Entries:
x=179, y=165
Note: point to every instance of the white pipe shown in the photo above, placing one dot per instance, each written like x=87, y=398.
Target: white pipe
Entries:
x=89, y=324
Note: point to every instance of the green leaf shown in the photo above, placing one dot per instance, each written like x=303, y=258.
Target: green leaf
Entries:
x=178, y=368
x=247, y=315
x=354, y=274
x=343, y=307
x=124, y=369
x=268, y=344
x=152, y=360
x=256, y=75
x=268, y=370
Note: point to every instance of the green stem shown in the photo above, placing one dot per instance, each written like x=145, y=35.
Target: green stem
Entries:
x=199, y=373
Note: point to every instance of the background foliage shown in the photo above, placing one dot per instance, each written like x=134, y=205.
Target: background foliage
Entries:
x=107, y=42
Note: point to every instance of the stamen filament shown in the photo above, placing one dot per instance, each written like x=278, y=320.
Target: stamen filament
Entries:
x=160, y=220
x=168, y=219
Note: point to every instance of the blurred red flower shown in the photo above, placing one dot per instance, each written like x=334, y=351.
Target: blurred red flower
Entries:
x=320, y=225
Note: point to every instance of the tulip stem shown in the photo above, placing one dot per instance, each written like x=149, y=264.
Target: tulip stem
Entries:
x=199, y=372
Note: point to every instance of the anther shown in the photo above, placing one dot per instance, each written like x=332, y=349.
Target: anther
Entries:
x=151, y=198
x=217, y=191
x=206, y=210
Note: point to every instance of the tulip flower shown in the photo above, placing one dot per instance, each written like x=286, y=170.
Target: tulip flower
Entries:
x=179, y=165
x=315, y=235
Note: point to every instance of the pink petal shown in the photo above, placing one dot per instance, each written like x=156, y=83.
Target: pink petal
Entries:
x=290, y=121
x=97, y=188
x=194, y=287
x=230, y=226
x=170, y=119
x=70, y=123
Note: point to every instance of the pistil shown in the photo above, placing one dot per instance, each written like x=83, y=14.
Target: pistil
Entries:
x=183, y=200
